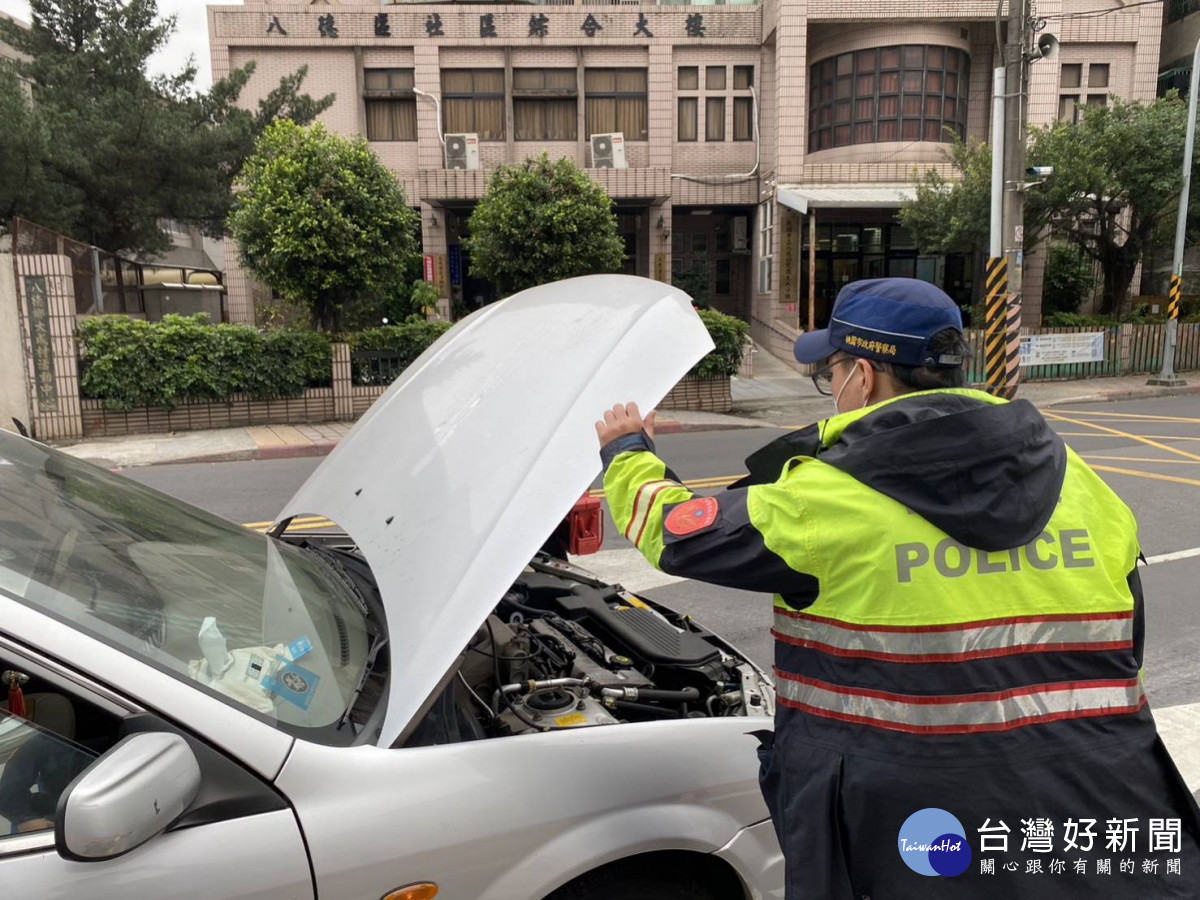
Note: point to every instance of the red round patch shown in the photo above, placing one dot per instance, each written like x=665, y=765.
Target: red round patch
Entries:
x=695, y=515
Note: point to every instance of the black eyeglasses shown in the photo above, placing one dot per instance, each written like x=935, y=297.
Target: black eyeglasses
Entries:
x=822, y=378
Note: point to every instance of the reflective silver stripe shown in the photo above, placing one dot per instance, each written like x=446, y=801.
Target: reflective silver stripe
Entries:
x=962, y=713
x=642, y=505
x=989, y=638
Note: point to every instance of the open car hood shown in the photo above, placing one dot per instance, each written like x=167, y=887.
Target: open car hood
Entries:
x=455, y=477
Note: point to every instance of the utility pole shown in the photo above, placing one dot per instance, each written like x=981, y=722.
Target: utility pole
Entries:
x=1167, y=376
x=1016, y=64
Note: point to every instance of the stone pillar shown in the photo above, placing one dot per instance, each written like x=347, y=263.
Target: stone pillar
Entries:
x=14, y=384
x=46, y=295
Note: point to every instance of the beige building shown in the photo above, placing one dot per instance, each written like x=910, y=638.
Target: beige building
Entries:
x=745, y=128
x=11, y=54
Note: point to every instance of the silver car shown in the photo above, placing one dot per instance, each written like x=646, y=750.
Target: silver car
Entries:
x=430, y=702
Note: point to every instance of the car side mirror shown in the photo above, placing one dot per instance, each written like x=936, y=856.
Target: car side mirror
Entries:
x=129, y=795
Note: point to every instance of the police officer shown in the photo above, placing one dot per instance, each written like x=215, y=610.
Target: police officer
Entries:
x=958, y=628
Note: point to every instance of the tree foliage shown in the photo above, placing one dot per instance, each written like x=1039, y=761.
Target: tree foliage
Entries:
x=543, y=221
x=1113, y=194
x=104, y=151
x=1068, y=281
x=1116, y=182
x=953, y=216
x=321, y=220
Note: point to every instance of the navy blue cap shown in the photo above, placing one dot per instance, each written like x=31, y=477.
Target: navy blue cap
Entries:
x=888, y=319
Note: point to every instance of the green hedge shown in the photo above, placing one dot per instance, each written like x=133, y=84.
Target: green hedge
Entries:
x=129, y=363
x=408, y=341
x=729, y=334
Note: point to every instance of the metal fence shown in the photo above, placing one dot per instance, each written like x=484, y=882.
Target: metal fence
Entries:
x=103, y=281
x=377, y=367
x=1128, y=350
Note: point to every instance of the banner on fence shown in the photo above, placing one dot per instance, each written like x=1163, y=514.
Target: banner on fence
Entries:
x=1062, y=349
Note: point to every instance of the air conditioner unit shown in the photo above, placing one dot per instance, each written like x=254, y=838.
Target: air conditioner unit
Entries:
x=741, y=237
x=462, y=151
x=608, y=151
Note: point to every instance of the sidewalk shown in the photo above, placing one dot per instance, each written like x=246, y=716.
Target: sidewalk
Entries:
x=777, y=396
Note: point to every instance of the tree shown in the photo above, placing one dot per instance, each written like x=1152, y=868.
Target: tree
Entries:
x=1068, y=279
x=953, y=216
x=1116, y=182
x=543, y=221
x=319, y=219
x=112, y=151
x=1113, y=194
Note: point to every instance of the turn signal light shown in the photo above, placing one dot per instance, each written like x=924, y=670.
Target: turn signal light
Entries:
x=426, y=890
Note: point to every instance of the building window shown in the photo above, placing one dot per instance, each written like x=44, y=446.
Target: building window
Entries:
x=766, y=237
x=615, y=101
x=545, y=104
x=1097, y=100
x=714, y=118
x=687, y=119
x=391, y=104
x=689, y=78
x=1068, y=108
x=1098, y=75
x=714, y=78
x=1069, y=75
x=473, y=101
x=724, y=278
x=909, y=93
x=743, y=78
x=743, y=118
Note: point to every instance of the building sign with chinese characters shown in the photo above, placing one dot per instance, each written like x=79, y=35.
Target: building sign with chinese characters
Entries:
x=575, y=26
x=38, y=304
x=789, y=259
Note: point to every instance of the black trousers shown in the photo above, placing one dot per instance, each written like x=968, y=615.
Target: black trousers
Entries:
x=839, y=813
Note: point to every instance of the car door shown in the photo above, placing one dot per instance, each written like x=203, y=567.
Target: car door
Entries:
x=239, y=839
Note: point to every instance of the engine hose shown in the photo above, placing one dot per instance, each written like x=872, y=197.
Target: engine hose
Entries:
x=684, y=695
x=644, y=708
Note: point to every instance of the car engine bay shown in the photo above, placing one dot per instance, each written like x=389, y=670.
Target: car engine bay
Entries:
x=564, y=650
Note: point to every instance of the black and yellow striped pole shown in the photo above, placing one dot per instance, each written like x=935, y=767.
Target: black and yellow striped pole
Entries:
x=995, y=336
x=1012, y=346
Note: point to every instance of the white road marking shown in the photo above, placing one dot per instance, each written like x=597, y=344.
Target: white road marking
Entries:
x=1171, y=557
x=1178, y=726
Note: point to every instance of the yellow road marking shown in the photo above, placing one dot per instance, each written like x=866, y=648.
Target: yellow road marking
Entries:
x=1155, y=476
x=1125, y=434
x=1142, y=459
x=1122, y=415
x=1161, y=437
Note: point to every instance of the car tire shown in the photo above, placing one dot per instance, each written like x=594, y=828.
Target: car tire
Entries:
x=622, y=884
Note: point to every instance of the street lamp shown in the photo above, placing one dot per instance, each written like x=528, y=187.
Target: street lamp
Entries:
x=1167, y=375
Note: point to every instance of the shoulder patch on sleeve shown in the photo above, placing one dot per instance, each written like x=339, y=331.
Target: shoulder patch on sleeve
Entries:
x=693, y=516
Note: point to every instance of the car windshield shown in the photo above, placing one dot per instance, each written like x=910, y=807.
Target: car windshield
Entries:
x=267, y=627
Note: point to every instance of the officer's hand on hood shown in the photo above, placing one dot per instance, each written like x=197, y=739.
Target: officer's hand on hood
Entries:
x=623, y=419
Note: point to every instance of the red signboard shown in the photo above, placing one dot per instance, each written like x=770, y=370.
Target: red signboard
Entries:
x=429, y=268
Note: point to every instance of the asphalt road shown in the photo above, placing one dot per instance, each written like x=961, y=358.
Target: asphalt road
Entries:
x=1149, y=451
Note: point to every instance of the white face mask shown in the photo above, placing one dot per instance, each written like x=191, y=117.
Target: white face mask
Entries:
x=838, y=396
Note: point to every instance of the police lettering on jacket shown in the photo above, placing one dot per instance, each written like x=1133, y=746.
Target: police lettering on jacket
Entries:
x=1070, y=548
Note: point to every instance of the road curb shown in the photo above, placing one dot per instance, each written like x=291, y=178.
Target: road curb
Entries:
x=1148, y=392
x=672, y=426
x=247, y=454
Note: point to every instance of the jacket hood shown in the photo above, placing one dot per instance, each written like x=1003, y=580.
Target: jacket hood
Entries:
x=986, y=472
